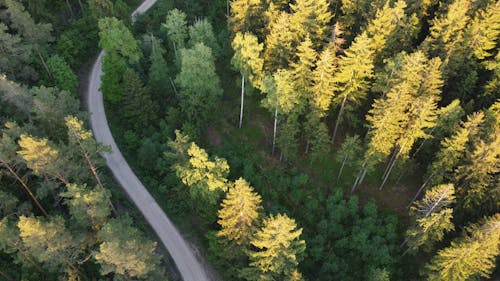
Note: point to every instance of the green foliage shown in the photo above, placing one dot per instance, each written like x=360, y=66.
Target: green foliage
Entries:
x=199, y=84
x=124, y=251
x=100, y=8
x=62, y=74
x=115, y=38
x=114, y=67
x=202, y=32
x=176, y=26
x=248, y=56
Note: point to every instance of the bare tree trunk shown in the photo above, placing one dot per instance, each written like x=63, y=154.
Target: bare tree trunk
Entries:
x=338, y=119
x=7, y=277
x=242, y=98
x=70, y=9
x=420, y=190
x=358, y=177
x=274, y=131
x=44, y=64
x=389, y=171
x=342, y=166
x=227, y=8
x=81, y=6
x=393, y=154
x=173, y=86
x=25, y=186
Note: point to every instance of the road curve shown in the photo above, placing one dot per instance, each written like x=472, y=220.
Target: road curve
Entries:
x=190, y=268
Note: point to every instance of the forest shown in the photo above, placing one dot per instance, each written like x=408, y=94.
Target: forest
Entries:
x=287, y=139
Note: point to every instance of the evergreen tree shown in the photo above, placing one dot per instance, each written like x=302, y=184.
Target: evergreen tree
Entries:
x=352, y=80
x=317, y=136
x=470, y=256
x=138, y=107
x=65, y=78
x=100, y=8
x=247, y=16
x=278, y=250
x=199, y=84
x=349, y=153
x=287, y=136
x=16, y=60
x=113, y=67
x=324, y=84
x=248, y=60
x=202, y=32
x=158, y=85
x=484, y=30
x=310, y=18
x=239, y=213
x=302, y=70
x=279, y=43
x=124, y=252
x=432, y=216
x=176, y=27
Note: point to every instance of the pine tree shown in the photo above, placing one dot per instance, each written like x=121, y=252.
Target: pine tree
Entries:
x=176, y=27
x=202, y=32
x=199, y=84
x=317, y=137
x=65, y=78
x=278, y=251
x=287, y=136
x=352, y=80
x=239, y=213
x=310, y=18
x=158, y=85
x=470, y=256
x=16, y=62
x=302, y=70
x=87, y=206
x=100, y=8
x=124, y=252
x=113, y=67
x=248, y=60
x=484, y=30
x=138, y=106
x=432, y=216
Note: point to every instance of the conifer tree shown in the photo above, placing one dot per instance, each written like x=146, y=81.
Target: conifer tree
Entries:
x=176, y=27
x=352, y=80
x=65, y=78
x=202, y=32
x=248, y=60
x=247, y=16
x=316, y=134
x=124, y=252
x=310, y=18
x=324, y=84
x=279, y=43
x=239, y=213
x=484, y=30
x=287, y=136
x=470, y=256
x=348, y=153
x=158, y=85
x=113, y=67
x=100, y=8
x=432, y=216
x=138, y=105
x=87, y=206
x=278, y=250
x=301, y=71
x=115, y=37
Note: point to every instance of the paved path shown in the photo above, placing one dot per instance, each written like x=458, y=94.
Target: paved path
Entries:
x=190, y=268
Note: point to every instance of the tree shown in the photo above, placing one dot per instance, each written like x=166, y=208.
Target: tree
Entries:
x=279, y=43
x=432, y=216
x=301, y=71
x=317, y=137
x=138, y=106
x=278, y=250
x=158, y=84
x=246, y=16
x=41, y=157
x=113, y=67
x=324, y=85
x=49, y=241
x=352, y=79
x=199, y=84
x=484, y=31
x=202, y=32
x=248, y=60
x=348, y=153
x=87, y=206
x=124, y=251
x=310, y=18
x=176, y=27
x=16, y=56
x=116, y=38
x=64, y=77
x=239, y=213
x=100, y=8
x=472, y=255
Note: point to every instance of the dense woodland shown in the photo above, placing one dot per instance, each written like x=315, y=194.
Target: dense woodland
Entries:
x=289, y=140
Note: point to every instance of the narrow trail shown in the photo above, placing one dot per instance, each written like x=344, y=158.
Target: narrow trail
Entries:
x=189, y=265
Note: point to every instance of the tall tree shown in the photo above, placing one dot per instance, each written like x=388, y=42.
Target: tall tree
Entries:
x=158, y=84
x=348, y=153
x=311, y=18
x=279, y=43
x=248, y=60
x=324, y=81
x=199, y=84
x=247, y=16
x=16, y=60
x=470, y=256
x=202, y=32
x=124, y=252
x=239, y=213
x=113, y=67
x=484, y=30
x=176, y=27
x=64, y=77
x=352, y=80
x=138, y=106
x=100, y=8
x=432, y=216
x=115, y=37
x=278, y=250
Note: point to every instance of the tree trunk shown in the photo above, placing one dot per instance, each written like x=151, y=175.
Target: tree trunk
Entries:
x=25, y=186
x=81, y=6
x=342, y=166
x=242, y=98
x=338, y=119
x=390, y=170
x=274, y=131
x=70, y=9
x=393, y=154
x=173, y=86
x=420, y=190
x=7, y=277
x=227, y=8
x=44, y=64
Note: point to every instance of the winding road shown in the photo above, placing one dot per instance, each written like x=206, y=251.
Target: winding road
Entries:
x=189, y=266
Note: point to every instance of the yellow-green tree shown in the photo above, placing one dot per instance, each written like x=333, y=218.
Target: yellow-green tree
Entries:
x=239, y=213
x=484, y=30
x=323, y=81
x=432, y=217
x=310, y=18
x=279, y=43
x=278, y=250
x=302, y=70
x=470, y=256
x=247, y=16
x=248, y=59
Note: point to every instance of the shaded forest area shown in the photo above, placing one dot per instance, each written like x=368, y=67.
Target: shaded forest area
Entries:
x=345, y=140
